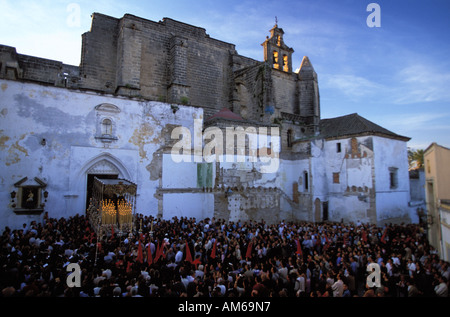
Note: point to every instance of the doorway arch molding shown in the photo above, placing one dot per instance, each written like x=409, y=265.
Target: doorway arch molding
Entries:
x=105, y=163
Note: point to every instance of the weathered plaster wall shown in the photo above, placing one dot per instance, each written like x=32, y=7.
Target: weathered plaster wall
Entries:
x=55, y=134
x=347, y=173
x=195, y=205
x=240, y=190
x=392, y=203
x=417, y=185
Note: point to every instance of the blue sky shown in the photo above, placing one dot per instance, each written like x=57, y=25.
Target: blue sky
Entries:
x=397, y=75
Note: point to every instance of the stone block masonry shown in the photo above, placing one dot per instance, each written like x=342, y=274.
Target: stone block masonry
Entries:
x=99, y=54
x=166, y=61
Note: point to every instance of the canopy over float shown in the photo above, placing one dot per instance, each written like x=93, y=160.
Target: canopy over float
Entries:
x=112, y=206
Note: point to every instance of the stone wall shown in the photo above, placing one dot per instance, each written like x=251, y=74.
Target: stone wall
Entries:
x=166, y=61
x=99, y=54
x=16, y=66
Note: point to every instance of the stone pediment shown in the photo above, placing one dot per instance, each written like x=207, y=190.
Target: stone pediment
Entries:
x=37, y=182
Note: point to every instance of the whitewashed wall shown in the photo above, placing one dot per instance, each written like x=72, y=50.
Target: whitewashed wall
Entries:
x=391, y=203
x=353, y=173
x=195, y=205
x=69, y=122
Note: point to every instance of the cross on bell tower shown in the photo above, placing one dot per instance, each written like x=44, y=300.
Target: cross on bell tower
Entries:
x=276, y=53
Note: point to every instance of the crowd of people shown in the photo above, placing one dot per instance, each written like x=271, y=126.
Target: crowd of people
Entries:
x=185, y=257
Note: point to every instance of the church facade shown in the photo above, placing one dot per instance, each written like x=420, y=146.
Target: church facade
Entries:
x=203, y=132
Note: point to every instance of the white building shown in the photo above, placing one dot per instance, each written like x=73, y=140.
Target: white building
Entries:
x=62, y=125
x=359, y=171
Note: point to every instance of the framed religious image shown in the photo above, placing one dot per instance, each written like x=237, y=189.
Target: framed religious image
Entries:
x=30, y=197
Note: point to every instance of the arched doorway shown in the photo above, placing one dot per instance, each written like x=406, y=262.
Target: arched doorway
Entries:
x=325, y=211
x=317, y=210
x=104, y=166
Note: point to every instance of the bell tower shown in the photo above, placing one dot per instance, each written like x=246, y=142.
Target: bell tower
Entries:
x=276, y=53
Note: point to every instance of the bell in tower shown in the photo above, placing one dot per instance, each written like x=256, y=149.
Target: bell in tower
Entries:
x=278, y=54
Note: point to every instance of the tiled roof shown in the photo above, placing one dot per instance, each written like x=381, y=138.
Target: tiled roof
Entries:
x=226, y=113
x=353, y=124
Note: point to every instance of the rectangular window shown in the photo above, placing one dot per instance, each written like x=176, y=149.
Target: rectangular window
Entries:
x=393, y=177
x=306, y=182
x=338, y=147
x=336, y=178
x=204, y=175
x=289, y=138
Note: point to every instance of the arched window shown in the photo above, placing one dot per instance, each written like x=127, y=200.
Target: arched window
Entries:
x=275, y=60
x=285, y=63
x=106, y=127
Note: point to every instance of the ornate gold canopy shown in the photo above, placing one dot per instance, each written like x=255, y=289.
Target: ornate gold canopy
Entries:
x=112, y=205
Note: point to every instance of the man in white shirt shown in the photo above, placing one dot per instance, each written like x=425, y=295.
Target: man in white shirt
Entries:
x=411, y=267
x=395, y=260
x=389, y=267
x=221, y=286
x=300, y=284
x=199, y=272
x=338, y=287
x=179, y=256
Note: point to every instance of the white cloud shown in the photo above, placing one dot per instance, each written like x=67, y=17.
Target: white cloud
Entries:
x=421, y=83
x=414, y=84
x=416, y=120
x=353, y=86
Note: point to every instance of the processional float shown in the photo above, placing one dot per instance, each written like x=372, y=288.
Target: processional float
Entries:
x=112, y=206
